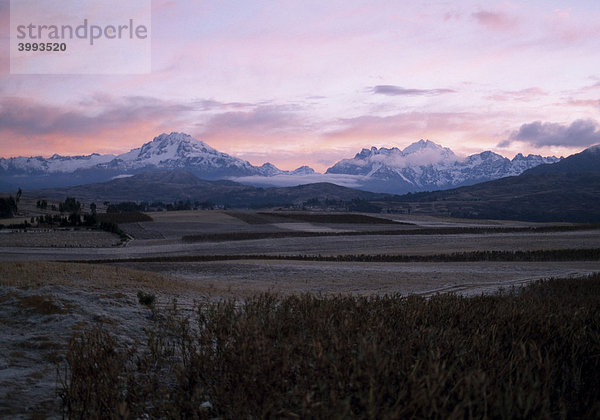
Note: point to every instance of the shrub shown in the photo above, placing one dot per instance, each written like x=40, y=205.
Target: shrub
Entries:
x=146, y=299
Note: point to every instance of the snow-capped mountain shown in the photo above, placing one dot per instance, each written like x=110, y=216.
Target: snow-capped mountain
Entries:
x=425, y=165
x=303, y=170
x=54, y=164
x=181, y=151
x=268, y=169
x=385, y=162
x=164, y=152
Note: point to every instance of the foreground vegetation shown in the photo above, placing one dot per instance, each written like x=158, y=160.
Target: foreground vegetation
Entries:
x=539, y=255
x=241, y=236
x=533, y=352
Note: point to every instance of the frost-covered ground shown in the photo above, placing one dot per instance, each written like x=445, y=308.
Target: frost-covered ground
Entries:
x=243, y=278
x=42, y=302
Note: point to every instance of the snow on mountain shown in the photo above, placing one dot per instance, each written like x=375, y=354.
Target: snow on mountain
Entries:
x=303, y=170
x=179, y=150
x=268, y=169
x=425, y=165
x=54, y=164
x=383, y=161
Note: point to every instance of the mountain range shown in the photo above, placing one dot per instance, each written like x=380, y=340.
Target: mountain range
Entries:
x=164, y=152
x=425, y=165
x=422, y=166
x=566, y=191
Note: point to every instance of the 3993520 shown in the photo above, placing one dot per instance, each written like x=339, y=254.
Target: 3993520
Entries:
x=42, y=46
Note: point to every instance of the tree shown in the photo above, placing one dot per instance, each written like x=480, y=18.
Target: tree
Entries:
x=70, y=205
x=8, y=207
x=93, y=208
x=73, y=207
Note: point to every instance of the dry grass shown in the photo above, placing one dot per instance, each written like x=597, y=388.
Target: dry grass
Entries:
x=42, y=304
x=202, y=216
x=521, y=354
x=59, y=238
x=89, y=276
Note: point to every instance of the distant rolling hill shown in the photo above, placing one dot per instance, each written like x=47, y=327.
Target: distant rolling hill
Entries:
x=586, y=161
x=551, y=197
x=175, y=185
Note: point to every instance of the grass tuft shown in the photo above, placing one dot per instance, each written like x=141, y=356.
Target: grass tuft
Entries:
x=146, y=299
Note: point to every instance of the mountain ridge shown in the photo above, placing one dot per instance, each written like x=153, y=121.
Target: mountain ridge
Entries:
x=423, y=165
x=566, y=191
x=587, y=160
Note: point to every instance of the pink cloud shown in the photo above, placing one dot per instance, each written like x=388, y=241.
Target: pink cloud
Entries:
x=497, y=21
x=593, y=103
x=523, y=95
x=414, y=125
x=570, y=28
x=27, y=125
x=29, y=117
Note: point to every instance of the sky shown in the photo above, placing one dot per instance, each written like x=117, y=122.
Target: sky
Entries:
x=296, y=82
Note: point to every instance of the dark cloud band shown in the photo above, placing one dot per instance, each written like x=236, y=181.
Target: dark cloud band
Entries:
x=392, y=90
x=580, y=133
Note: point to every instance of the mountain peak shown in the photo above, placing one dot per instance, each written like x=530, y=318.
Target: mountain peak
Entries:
x=168, y=148
x=303, y=170
x=419, y=145
x=176, y=137
x=184, y=143
x=425, y=145
x=268, y=169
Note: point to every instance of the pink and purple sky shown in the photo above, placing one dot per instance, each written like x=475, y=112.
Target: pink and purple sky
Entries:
x=311, y=82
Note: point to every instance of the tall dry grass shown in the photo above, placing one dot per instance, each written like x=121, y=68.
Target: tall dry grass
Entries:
x=49, y=273
x=530, y=353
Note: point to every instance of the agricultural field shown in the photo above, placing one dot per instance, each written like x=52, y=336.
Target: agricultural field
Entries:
x=57, y=286
x=61, y=238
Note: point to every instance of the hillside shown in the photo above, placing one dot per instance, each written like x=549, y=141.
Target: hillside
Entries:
x=168, y=186
x=556, y=197
x=585, y=161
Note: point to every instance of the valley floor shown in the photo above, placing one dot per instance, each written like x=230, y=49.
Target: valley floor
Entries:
x=68, y=281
